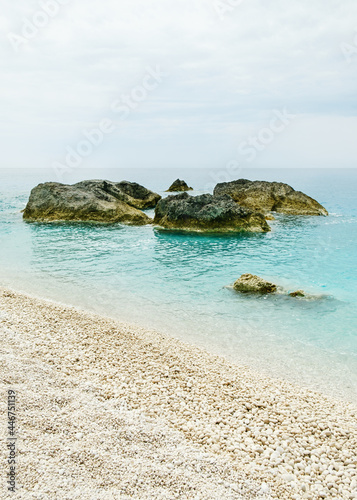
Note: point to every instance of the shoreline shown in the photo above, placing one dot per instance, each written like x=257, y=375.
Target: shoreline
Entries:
x=268, y=438
x=308, y=373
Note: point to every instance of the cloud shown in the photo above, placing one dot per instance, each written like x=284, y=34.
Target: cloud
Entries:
x=225, y=78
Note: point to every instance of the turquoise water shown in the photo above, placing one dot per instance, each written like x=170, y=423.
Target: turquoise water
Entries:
x=177, y=282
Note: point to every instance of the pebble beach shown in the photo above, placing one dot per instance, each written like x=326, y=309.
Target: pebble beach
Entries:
x=111, y=410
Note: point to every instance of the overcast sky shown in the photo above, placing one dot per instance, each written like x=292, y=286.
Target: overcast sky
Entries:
x=230, y=67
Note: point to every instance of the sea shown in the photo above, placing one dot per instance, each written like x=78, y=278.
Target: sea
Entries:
x=180, y=283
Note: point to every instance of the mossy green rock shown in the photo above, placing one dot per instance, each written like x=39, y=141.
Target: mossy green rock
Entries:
x=250, y=283
x=270, y=197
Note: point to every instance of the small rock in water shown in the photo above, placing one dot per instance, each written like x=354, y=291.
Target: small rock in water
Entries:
x=179, y=185
x=298, y=293
x=254, y=284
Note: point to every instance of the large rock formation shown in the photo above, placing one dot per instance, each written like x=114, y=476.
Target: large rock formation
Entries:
x=131, y=193
x=250, y=283
x=179, y=185
x=85, y=201
x=266, y=196
x=207, y=213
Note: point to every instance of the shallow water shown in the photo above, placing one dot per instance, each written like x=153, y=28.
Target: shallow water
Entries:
x=177, y=282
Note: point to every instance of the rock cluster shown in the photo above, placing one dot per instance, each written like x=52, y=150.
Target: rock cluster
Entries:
x=266, y=196
x=179, y=185
x=93, y=200
x=207, y=213
x=250, y=283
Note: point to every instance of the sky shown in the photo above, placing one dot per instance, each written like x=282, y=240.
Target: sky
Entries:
x=186, y=83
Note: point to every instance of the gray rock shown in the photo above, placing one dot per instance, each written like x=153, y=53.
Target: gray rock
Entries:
x=207, y=213
x=270, y=196
x=85, y=201
x=179, y=185
x=250, y=283
x=131, y=193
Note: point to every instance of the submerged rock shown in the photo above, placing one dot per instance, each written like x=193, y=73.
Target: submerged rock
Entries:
x=85, y=201
x=270, y=196
x=179, y=185
x=298, y=293
x=131, y=193
x=250, y=283
x=207, y=213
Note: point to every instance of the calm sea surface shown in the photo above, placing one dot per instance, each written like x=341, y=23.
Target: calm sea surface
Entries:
x=177, y=282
